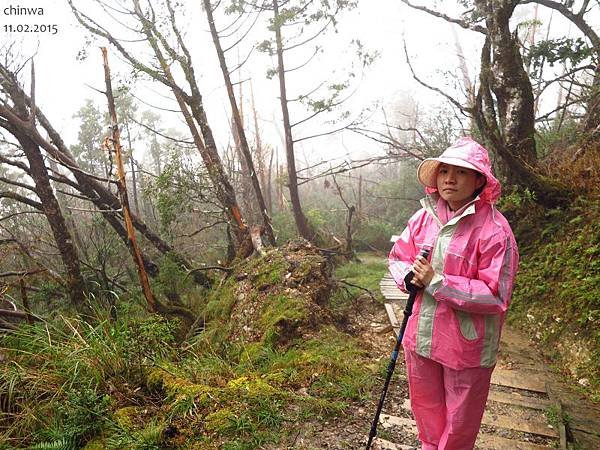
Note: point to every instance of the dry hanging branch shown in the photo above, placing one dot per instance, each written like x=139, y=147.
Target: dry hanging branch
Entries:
x=115, y=142
x=115, y=145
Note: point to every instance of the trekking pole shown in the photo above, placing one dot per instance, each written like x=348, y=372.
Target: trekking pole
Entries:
x=392, y=364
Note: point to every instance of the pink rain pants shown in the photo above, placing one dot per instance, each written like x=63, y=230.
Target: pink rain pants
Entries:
x=447, y=404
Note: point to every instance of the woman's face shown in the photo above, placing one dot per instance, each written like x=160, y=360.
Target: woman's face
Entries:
x=457, y=184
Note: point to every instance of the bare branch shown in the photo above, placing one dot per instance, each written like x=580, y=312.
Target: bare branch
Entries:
x=21, y=199
x=465, y=110
x=462, y=23
x=577, y=19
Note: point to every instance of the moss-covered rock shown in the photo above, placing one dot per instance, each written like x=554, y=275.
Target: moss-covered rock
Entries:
x=274, y=299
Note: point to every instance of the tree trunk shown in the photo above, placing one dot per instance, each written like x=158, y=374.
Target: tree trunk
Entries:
x=260, y=155
x=136, y=203
x=122, y=186
x=299, y=217
x=511, y=135
x=591, y=122
x=506, y=119
x=241, y=134
x=56, y=220
x=269, y=185
x=62, y=202
x=509, y=82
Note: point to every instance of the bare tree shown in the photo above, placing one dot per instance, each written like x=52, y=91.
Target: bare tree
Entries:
x=155, y=27
x=26, y=114
x=90, y=186
x=239, y=125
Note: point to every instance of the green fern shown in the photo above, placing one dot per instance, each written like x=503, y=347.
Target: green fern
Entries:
x=58, y=444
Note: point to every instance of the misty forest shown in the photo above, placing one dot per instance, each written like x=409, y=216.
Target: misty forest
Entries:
x=194, y=267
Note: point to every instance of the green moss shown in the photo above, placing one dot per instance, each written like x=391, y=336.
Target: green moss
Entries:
x=282, y=313
x=271, y=271
x=95, y=444
x=557, y=289
x=220, y=420
x=221, y=301
x=124, y=417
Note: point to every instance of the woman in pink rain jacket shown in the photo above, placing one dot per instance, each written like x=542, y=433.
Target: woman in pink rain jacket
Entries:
x=451, y=340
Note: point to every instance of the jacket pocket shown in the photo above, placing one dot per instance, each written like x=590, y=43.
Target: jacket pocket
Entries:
x=467, y=325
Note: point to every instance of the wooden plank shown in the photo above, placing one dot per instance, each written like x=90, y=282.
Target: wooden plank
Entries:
x=508, y=422
x=514, y=379
x=493, y=442
x=484, y=440
x=389, y=286
x=514, y=398
x=391, y=315
x=393, y=295
x=392, y=289
x=562, y=429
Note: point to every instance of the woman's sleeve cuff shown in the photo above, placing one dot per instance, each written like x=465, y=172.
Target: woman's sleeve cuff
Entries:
x=435, y=283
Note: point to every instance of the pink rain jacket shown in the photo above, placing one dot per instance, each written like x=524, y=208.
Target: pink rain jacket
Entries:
x=457, y=319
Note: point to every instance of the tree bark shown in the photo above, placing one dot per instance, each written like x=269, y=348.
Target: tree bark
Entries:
x=510, y=135
x=56, y=220
x=301, y=223
x=122, y=186
x=509, y=82
x=241, y=134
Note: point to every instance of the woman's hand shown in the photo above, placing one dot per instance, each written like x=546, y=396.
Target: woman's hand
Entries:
x=423, y=272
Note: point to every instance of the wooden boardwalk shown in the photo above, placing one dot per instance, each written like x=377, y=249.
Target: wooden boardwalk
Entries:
x=522, y=395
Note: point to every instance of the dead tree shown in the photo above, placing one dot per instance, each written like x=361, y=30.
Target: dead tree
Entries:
x=89, y=185
x=26, y=114
x=166, y=57
x=239, y=126
x=115, y=146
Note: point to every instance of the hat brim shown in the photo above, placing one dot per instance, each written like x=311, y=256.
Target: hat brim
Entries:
x=427, y=170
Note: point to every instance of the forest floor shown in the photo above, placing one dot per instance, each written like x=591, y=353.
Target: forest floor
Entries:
x=518, y=358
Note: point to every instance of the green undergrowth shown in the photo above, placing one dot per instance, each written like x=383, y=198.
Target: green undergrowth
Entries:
x=274, y=355
x=365, y=273
x=557, y=291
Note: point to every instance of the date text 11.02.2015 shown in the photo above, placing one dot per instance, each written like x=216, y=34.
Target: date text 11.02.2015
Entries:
x=30, y=28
